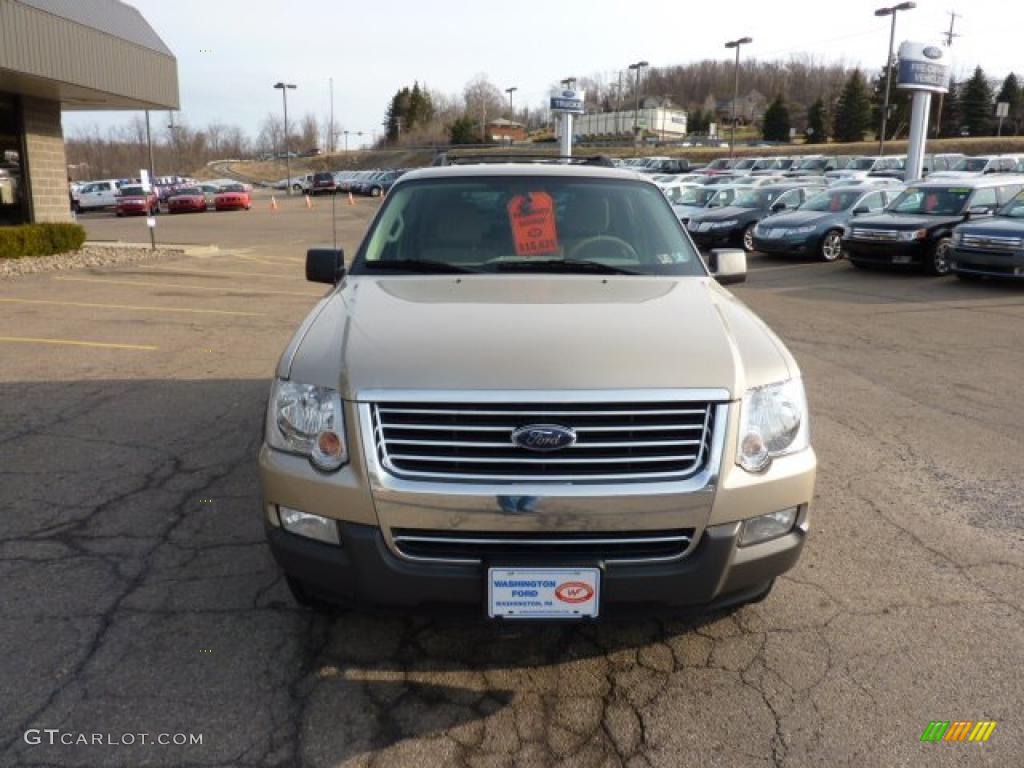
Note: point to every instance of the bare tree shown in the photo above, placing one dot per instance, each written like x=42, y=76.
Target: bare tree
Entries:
x=483, y=101
x=308, y=132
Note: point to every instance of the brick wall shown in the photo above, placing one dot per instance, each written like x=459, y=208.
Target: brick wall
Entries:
x=45, y=160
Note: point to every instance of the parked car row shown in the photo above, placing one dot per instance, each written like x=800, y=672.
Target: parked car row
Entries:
x=200, y=198
x=950, y=223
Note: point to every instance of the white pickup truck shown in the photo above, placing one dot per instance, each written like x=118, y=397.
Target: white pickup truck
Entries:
x=96, y=194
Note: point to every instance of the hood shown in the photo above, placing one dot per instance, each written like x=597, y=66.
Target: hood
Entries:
x=902, y=221
x=801, y=218
x=954, y=174
x=1001, y=226
x=730, y=212
x=534, y=332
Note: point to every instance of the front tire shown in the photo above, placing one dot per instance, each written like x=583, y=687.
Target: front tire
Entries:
x=748, y=238
x=831, y=248
x=375, y=192
x=938, y=261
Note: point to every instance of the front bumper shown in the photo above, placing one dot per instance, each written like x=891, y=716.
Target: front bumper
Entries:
x=993, y=263
x=788, y=245
x=363, y=571
x=896, y=253
x=715, y=238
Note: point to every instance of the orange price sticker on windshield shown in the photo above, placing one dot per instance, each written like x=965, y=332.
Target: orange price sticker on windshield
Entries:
x=532, y=217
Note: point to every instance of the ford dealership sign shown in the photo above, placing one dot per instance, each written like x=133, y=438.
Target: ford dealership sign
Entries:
x=923, y=68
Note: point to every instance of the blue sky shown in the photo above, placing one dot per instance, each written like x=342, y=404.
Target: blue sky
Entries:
x=371, y=49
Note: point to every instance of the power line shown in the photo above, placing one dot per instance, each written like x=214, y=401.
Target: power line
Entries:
x=953, y=16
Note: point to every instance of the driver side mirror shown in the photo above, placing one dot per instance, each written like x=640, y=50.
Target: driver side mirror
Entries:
x=979, y=210
x=728, y=265
x=777, y=207
x=325, y=265
x=860, y=210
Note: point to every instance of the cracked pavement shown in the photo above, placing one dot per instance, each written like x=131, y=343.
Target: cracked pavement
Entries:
x=138, y=595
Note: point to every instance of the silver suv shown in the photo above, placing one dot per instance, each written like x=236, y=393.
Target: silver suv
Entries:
x=528, y=396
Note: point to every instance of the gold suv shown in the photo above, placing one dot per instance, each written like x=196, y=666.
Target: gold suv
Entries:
x=529, y=396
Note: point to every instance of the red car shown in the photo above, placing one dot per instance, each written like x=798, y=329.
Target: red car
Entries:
x=187, y=200
x=232, y=197
x=136, y=200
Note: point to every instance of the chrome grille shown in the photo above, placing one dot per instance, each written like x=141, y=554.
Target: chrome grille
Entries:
x=880, y=235
x=615, y=441
x=991, y=241
x=553, y=547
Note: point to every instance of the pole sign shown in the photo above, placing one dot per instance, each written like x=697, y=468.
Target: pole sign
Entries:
x=1003, y=109
x=923, y=67
x=144, y=177
x=567, y=101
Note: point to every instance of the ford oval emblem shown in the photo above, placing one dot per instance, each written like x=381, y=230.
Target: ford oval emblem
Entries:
x=932, y=52
x=543, y=437
x=568, y=94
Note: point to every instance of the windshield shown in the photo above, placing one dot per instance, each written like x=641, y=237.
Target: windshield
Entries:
x=754, y=198
x=863, y=164
x=743, y=165
x=132, y=192
x=973, y=164
x=812, y=165
x=835, y=201
x=696, y=196
x=931, y=201
x=527, y=224
x=232, y=188
x=718, y=164
x=189, y=191
x=764, y=165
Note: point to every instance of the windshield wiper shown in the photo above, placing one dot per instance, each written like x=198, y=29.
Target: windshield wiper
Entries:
x=562, y=265
x=416, y=265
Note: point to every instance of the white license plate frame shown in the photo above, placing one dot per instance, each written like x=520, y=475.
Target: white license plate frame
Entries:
x=543, y=593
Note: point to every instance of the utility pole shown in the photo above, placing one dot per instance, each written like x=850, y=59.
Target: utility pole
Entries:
x=149, y=143
x=953, y=16
x=637, y=67
x=330, y=140
x=618, y=106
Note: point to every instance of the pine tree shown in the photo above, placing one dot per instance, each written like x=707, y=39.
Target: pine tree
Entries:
x=899, y=107
x=951, y=117
x=776, y=121
x=853, y=111
x=976, y=104
x=817, y=123
x=463, y=131
x=1011, y=94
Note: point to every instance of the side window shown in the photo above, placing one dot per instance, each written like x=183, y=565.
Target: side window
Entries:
x=873, y=202
x=1007, y=164
x=986, y=197
x=1008, y=192
x=791, y=199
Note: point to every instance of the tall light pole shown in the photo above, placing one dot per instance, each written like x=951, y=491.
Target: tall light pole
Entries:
x=636, y=67
x=330, y=140
x=511, y=114
x=892, y=10
x=736, y=87
x=287, y=159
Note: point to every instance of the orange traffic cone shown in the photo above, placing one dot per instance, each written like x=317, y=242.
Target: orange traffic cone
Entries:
x=273, y=203
x=351, y=200
x=309, y=203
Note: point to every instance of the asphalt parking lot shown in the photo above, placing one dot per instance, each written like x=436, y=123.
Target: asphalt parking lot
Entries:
x=139, y=597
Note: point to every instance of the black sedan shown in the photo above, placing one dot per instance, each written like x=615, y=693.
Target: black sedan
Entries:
x=816, y=227
x=733, y=225
x=993, y=247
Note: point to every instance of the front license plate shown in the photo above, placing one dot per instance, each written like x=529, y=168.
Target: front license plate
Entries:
x=543, y=593
x=901, y=259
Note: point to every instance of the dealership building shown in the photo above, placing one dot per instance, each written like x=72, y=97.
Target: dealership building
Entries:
x=68, y=55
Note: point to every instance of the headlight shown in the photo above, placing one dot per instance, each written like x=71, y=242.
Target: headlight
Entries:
x=802, y=230
x=917, y=234
x=729, y=223
x=773, y=423
x=308, y=421
x=958, y=237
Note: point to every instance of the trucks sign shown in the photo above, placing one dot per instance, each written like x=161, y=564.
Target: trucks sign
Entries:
x=923, y=68
x=570, y=101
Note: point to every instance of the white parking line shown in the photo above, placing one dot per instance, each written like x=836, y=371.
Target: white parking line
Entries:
x=186, y=286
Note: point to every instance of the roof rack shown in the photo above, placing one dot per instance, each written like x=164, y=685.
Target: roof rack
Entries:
x=446, y=159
